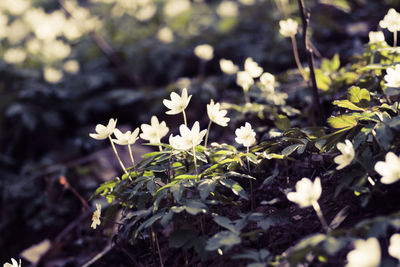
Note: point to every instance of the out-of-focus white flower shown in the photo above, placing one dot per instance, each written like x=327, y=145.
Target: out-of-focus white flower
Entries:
x=204, y=51
x=189, y=138
x=288, y=27
x=244, y=80
x=392, y=77
x=366, y=253
x=227, y=66
x=251, y=67
x=55, y=50
x=389, y=169
x=394, y=247
x=347, y=156
x=216, y=115
x=96, y=216
x=245, y=135
x=177, y=104
x=174, y=8
x=71, y=66
x=247, y=2
x=15, y=7
x=391, y=21
x=376, y=37
x=228, y=9
x=103, y=132
x=307, y=192
x=165, y=35
x=127, y=138
x=267, y=82
x=15, y=56
x=13, y=263
x=155, y=131
x=52, y=75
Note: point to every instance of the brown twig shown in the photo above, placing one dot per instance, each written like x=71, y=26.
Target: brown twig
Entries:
x=305, y=18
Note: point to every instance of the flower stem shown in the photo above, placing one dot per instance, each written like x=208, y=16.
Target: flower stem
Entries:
x=251, y=182
x=208, y=130
x=297, y=59
x=395, y=39
x=131, y=155
x=320, y=216
x=195, y=162
x=119, y=159
x=184, y=117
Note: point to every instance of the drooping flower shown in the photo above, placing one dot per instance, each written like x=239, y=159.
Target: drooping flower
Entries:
x=366, y=253
x=216, y=114
x=252, y=68
x=155, y=131
x=267, y=82
x=391, y=21
x=177, y=104
x=96, y=216
x=103, y=132
x=13, y=263
x=389, y=169
x=227, y=66
x=245, y=135
x=307, y=192
x=394, y=247
x=244, y=80
x=188, y=138
x=288, y=27
x=204, y=51
x=347, y=156
x=127, y=138
x=392, y=77
x=376, y=37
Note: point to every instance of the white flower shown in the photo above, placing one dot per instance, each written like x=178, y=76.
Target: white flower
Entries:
x=204, y=51
x=366, y=253
x=347, y=156
x=267, y=82
x=228, y=9
x=216, y=115
x=96, y=216
x=244, y=80
x=52, y=75
x=154, y=132
x=391, y=21
x=389, y=169
x=189, y=138
x=252, y=68
x=127, y=138
x=228, y=67
x=103, y=132
x=288, y=27
x=392, y=77
x=245, y=135
x=376, y=37
x=165, y=35
x=307, y=193
x=13, y=263
x=177, y=104
x=394, y=247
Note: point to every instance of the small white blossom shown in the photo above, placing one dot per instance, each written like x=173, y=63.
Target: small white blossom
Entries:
x=103, y=132
x=204, y=51
x=216, y=114
x=392, y=77
x=288, y=27
x=127, y=138
x=13, y=263
x=177, y=104
x=189, y=138
x=376, y=37
x=267, y=82
x=389, y=169
x=307, y=192
x=228, y=9
x=96, y=216
x=165, y=35
x=244, y=80
x=228, y=67
x=252, y=68
x=391, y=21
x=347, y=156
x=154, y=132
x=245, y=135
x=394, y=247
x=366, y=253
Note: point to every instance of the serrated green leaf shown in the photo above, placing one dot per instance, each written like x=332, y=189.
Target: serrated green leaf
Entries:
x=206, y=186
x=360, y=97
x=347, y=104
x=235, y=187
x=224, y=239
x=342, y=121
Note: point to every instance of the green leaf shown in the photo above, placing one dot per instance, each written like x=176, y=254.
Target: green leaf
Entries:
x=225, y=222
x=282, y=122
x=359, y=97
x=342, y=121
x=224, y=239
x=347, y=104
x=323, y=80
x=177, y=191
x=290, y=149
x=206, y=186
x=192, y=207
x=384, y=135
x=235, y=187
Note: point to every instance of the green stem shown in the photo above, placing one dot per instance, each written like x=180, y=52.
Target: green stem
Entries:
x=321, y=218
x=195, y=162
x=395, y=39
x=208, y=130
x=251, y=182
x=119, y=159
x=131, y=155
x=184, y=117
x=297, y=59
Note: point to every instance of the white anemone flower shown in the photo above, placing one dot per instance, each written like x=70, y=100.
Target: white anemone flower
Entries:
x=347, y=156
x=96, y=216
x=376, y=37
x=391, y=21
x=228, y=67
x=394, y=247
x=389, y=169
x=288, y=27
x=245, y=135
x=127, y=138
x=178, y=103
x=103, y=132
x=252, y=68
x=244, y=80
x=13, y=263
x=267, y=82
x=392, y=77
x=204, y=52
x=307, y=192
x=188, y=138
x=155, y=131
x=216, y=114
x=366, y=253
